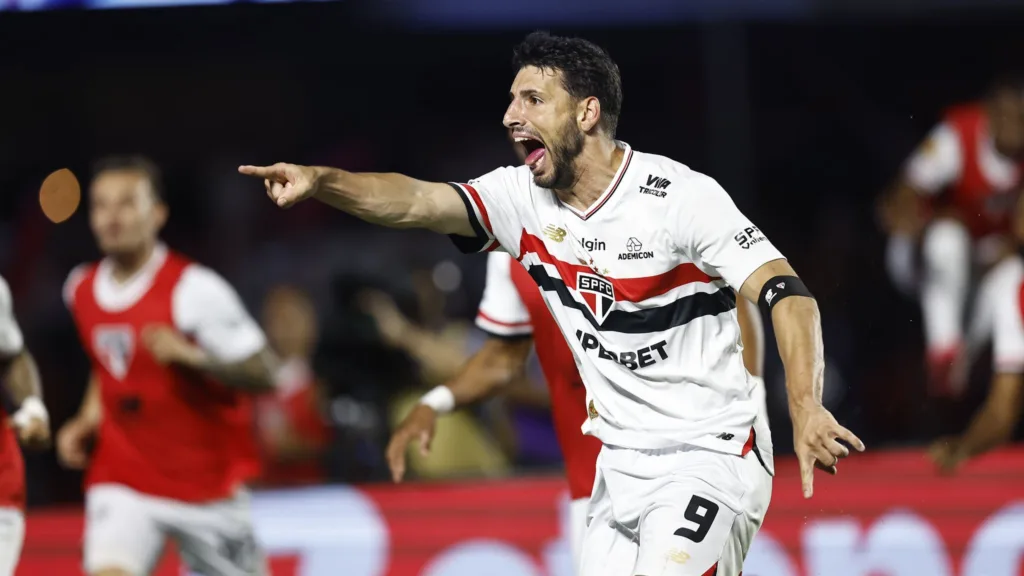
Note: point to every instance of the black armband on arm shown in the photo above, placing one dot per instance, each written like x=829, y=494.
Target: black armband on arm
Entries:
x=780, y=288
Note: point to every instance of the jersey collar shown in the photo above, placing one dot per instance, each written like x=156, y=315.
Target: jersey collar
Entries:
x=607, y=194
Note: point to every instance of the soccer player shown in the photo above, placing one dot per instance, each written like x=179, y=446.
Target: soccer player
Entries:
x=1001, y=303
x=174, y=358
x=637, y=257
x=956, y=196
x=516, y=318
x=30, y=424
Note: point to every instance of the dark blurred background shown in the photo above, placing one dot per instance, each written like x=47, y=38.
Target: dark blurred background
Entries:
x=804, y=110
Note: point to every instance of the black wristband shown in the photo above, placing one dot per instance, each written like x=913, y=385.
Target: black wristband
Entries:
x=778, y=289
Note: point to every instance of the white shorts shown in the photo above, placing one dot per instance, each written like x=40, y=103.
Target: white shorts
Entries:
x=126, y=529
x=12, y=536
x=578, y=528
x=676, y=512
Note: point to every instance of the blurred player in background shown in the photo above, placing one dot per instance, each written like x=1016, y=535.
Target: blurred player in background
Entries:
x=174, y=358
x=955, y=197
x=514, y=315
x=30, y=424
x=1000, y=308
x=294, y=433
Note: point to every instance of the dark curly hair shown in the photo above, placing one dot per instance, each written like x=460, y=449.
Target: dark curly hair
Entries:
x=587, y=70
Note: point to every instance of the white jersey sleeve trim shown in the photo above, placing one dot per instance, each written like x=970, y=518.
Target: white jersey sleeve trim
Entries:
x=208, y=309
x=501, y=311
x=937, y=162
x=11, y=339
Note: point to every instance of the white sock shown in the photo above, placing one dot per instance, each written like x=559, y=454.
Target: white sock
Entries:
x=946, y=265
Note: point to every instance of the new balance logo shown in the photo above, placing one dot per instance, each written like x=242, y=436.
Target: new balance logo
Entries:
x=725, y=436
x=555, y=234
x=770, y=296
x=656, y=186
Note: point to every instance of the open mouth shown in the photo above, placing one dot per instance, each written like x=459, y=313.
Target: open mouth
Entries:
x=534, y=150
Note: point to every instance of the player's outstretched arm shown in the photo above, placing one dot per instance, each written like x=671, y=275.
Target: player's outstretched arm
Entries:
x=498, y=363
x=391, y=200
x=797, y=324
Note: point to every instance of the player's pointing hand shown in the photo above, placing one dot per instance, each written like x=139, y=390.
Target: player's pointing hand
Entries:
x=816, y=436
x=286, y=184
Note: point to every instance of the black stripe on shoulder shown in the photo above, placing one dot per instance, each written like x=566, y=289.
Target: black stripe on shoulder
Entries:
x=645, y=321
x=470, y=244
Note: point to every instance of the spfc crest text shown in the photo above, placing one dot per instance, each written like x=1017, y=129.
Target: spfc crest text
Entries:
x=598, y=294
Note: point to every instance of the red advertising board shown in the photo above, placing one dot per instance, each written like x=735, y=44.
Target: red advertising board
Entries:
x=885, y=514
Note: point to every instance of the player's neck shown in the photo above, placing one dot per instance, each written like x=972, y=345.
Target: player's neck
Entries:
x=127, y=265
x=595, y=168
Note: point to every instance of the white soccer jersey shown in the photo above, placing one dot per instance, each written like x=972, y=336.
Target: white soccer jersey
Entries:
x=1001, y=296
x=11, y=340
x=501, y=310
x=639, y=286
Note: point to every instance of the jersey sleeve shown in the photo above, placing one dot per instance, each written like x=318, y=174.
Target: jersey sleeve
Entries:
x=71, y=284
x=1008, y=328
x=209, y=310
x=502, y=312
x=491, y=201
x=11, y=340
x=937, y=161
x=719, y=238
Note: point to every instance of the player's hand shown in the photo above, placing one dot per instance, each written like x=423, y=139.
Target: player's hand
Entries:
x=73, y=443
x=419, y=425
x=168, y=346
x=34, y=433
x=286, y=184
x=948, y=454
x=816, y=436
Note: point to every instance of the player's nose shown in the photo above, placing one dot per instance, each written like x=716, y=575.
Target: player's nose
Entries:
x=513, y=116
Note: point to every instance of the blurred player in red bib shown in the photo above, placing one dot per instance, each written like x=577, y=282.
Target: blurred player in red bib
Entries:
x=30, y=424
x=956, y=196
x=175, y=357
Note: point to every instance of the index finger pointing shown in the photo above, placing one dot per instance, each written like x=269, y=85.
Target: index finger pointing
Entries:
x=257, y=171
x=807, y=474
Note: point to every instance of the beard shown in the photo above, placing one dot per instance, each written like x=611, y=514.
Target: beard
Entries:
x=562, y=154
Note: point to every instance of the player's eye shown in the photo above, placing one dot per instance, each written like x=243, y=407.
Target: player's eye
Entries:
x=534, y=100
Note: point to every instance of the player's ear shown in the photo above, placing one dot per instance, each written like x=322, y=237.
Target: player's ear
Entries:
x=588, y=113
x=160, y=214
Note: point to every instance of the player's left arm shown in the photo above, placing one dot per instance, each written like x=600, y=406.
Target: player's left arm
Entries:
x=724, y=241
x=214, y=334
x=20, y=377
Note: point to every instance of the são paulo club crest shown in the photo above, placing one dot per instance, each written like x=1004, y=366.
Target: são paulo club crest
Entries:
x=598, y=294
x=114, y=346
